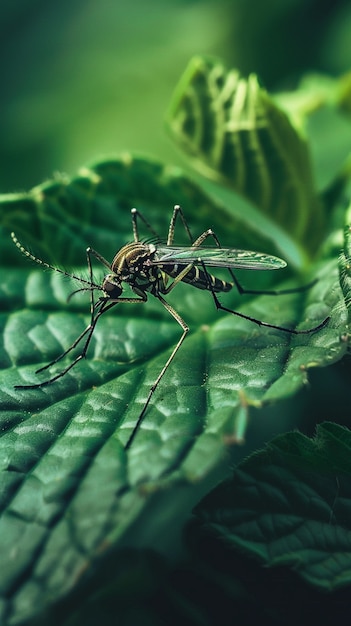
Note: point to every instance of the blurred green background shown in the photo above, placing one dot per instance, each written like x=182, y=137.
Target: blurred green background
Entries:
x=86, y=78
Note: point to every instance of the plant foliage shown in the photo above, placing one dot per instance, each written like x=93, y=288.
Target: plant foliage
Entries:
x=73, y=499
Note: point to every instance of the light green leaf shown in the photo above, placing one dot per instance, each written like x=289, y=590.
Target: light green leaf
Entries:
x=290, y=505
x=236, y=133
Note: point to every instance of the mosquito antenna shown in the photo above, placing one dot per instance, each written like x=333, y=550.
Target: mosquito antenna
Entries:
x=31, y=256
x=91, y=287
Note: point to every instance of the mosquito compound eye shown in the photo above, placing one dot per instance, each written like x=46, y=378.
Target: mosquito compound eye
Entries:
x=111, y=289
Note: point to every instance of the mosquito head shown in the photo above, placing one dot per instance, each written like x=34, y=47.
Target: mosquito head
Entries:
x=112, y=286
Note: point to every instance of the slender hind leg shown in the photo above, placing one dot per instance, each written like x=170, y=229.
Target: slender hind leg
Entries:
x=274, y=292
x=185, y=329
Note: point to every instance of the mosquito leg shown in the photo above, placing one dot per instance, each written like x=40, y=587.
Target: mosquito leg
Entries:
x=91, y=252
x=242, y=290
x=88, y=331
x=269, y=292
x=185, y=328
x=197, y=243
x=93, y=319
x=74, y=345
x=64, y=371
x=135, y=215
x=106, y=306
x=292, y=331
x=178, y=211
x=194, y=243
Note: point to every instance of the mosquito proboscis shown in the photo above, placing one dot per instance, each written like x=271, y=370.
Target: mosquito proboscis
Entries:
x=156, y=269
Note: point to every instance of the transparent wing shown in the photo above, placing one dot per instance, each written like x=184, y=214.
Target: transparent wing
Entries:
x=217, y=257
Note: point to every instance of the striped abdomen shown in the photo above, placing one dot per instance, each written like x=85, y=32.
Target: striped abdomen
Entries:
x=198, y=278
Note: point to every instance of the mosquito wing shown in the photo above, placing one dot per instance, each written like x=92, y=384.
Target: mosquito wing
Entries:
x=217, y=257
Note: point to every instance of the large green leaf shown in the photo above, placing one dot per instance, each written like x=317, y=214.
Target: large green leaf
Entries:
x=290, y=505
x=70, y=492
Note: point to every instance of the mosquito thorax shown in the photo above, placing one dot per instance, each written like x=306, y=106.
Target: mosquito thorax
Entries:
x=132, y=259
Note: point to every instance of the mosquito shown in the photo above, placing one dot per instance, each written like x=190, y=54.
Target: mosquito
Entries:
x=155, y=269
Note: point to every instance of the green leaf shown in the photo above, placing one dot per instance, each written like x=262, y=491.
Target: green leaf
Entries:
x=71, y=495
x=238, y=135
x=290, y=505
x=345, y=266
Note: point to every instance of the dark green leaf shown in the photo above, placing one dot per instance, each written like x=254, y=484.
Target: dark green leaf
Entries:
x=290, y=505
